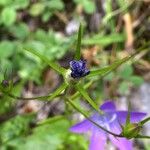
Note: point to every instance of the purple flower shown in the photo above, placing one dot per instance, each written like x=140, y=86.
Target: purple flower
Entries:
x=111, y=120
x=78, y=69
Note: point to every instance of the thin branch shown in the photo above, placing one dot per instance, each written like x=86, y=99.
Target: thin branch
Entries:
x=75, y=107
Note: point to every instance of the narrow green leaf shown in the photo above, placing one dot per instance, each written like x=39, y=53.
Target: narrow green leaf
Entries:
x=77, y=94
x=55, y=66
x=128, y=115
x=84, y=93
x=78, y=48
x=103, y=40
x=145, y=121
x=106, y=70
x=136, y=80
x=143, y=137
x=48, y=97
x=58, y=91
x=51, y=120
x=71, y=102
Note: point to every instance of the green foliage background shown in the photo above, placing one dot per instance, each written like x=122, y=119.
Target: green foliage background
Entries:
x=28, y=25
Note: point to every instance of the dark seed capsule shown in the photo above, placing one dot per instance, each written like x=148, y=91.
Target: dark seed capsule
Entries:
x=78, y=69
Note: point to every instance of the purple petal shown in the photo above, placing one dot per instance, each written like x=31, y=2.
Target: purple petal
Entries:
x=134, y=116
x=73, y=64
x=98, y=140
x=121, y=143
x=83, y=63
x=107, y=106
x=115, y=127
x=86, y=72
x=81, y=127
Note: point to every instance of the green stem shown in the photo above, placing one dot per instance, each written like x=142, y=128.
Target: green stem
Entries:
x=50, y=120
x=77, y=94
x=143, y=137
x=52, y=64
x=86, y=116
x=78, y=48
x=145, y=120
x=25, y=98
x=84, y=93
x=49, y=97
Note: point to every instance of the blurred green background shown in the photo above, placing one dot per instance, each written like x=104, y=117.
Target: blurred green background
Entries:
x=113, y=29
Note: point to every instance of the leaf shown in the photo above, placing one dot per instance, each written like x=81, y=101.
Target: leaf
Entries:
x=78, y=48
x=20, y=4
x=8, y=16
x=128, y=115
x=146, y=120
x=51, y=120
x=125, y=71
x=14, y=127
x=136, y=80
x=123, y=8
x=55, y=66
x=103, y=40
x=29, y=73
x=57, y=92
x=5, y=2
x=49, y=136
x=77, y=94
x=20, y=31
x=7, y=49
x=37, y=9
x=16, y=4
x=147, y=146
x=50, y=44
x=84, y=93
x=89, y=6
x=124, y=88
x=143, y=137
x=106, y=70
x=6, y=103
x=46, y=16
x=109, y=77
x=55, y=5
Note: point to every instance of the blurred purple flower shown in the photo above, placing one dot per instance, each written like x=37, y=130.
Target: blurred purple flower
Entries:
x=78, y=68
x=111, y=120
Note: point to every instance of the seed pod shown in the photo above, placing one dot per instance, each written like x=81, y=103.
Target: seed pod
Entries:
x=131, y=130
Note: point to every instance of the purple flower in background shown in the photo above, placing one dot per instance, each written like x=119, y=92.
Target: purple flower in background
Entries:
x=111, y=120
x=78, y=69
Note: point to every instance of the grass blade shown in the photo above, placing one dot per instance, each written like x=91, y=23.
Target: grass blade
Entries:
x=53, y=65
x=78, y=48
x=58, y=91
x=106, y=70
x=84, y=93
x=104, y=40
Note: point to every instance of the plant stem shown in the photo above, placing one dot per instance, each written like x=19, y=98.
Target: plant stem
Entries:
x=145, y=120
x=56, y=93
x=86, y=116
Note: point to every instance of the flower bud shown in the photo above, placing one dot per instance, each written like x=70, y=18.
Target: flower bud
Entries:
x=78, y=69
x=5, y=83
x=131, y=130
x=6, y=86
